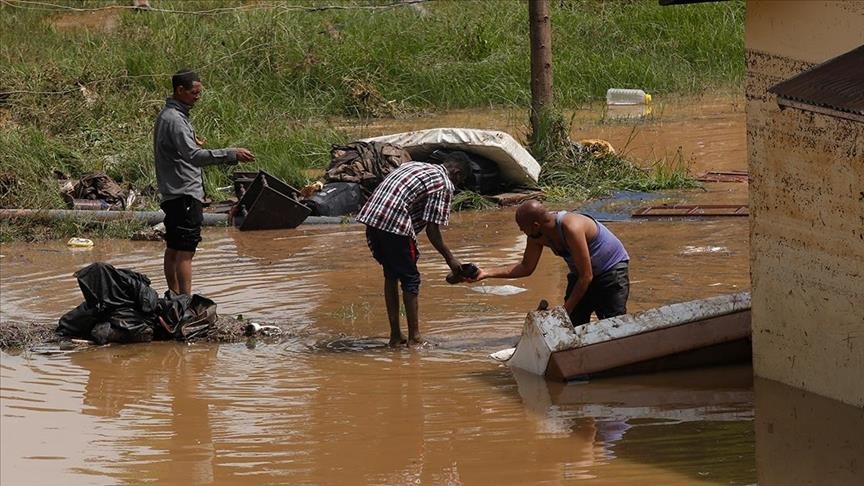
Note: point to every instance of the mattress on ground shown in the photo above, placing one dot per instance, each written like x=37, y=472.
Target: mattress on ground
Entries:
x=515, y=164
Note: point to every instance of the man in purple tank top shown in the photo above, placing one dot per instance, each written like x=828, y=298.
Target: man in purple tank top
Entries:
x=599, y=279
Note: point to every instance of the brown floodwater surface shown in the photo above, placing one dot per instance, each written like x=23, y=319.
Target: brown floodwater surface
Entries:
x=331, y=405
x=323, y=280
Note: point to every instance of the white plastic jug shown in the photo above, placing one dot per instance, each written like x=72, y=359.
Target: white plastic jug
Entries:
x=620, y=96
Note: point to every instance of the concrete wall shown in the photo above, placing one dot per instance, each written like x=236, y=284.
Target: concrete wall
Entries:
x=806, y=205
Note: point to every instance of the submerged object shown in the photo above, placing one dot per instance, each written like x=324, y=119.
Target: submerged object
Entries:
x=254, y=329
x=703, y=332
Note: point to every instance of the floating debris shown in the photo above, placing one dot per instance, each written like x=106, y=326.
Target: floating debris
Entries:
x=253, y=329
x=498, y=289
x=698, y=250
x=80, y=243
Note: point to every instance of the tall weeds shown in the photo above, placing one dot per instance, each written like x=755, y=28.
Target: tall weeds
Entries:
x=80, y=90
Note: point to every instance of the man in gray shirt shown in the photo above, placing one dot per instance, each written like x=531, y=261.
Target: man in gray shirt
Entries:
x=179, y=158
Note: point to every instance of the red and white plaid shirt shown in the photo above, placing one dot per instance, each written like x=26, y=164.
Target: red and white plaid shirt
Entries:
x=414, y=194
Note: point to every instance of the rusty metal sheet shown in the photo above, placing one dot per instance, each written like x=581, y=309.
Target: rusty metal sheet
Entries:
x=691, y=210
x=724, y=176
x=835, y=84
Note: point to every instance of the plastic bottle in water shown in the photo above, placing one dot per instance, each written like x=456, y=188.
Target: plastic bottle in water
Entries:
x=619, y=96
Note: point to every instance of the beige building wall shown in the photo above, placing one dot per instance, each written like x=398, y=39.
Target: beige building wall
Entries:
x=806, y=205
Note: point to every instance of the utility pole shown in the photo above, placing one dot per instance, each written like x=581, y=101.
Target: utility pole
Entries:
x=541, y=59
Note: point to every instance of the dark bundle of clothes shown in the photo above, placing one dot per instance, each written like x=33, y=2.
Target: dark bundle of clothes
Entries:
x=120, y=307
x=355, y=171
x=96, y=187
x=364, y=163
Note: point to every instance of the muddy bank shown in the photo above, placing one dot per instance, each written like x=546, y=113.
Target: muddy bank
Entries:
x=19, y=335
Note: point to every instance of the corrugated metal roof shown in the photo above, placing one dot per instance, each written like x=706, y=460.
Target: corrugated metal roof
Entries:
x=837, y=84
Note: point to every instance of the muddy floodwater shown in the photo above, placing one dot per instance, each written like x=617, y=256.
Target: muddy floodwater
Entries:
x=331, y=405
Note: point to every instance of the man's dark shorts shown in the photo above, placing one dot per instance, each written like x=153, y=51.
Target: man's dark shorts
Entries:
x=606, y=295
x=398, y=255
x=183, y=219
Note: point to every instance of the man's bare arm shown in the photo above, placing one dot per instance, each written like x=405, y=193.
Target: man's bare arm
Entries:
x=433, y=231
x=525, y=267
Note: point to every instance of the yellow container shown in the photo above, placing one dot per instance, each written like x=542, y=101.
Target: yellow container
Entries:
x=80, y=243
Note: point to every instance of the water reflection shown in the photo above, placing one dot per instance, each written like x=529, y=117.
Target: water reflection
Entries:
x=176, y=414
x=695, y=423
x=802, y=438
x=172, y=437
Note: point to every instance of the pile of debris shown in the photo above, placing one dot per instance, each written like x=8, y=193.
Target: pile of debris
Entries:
x=95, y=191
x=501, y=170
x=120, y=307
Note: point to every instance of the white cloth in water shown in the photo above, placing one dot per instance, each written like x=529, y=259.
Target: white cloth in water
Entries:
x=503, y=355
x=498, y=289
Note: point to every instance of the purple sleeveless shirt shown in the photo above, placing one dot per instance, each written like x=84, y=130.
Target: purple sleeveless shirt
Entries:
x=606, y=249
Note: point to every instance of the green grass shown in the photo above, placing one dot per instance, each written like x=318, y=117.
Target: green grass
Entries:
x=463, y=200
x=38, y=229
x=84, y=99
x=585, y=176
x=573, y=172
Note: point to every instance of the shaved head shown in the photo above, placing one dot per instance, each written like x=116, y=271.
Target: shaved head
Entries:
x=531, y=217
x=529, y=212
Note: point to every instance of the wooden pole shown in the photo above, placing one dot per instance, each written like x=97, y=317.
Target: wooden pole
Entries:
x=541, y=59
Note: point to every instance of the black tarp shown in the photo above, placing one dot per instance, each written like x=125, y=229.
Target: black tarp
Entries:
x=120, y=306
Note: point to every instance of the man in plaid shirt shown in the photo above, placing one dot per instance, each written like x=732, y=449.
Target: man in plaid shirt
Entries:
x=416, y=195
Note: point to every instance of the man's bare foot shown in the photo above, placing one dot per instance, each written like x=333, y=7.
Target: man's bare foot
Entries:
x=396, y=341
x=416, y=342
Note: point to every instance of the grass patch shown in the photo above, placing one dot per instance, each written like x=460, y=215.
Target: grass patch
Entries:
x=32, y=229
x=571, y=171
x=585, y=176
x=352, y=312
x=80, y=90
x=463, y=200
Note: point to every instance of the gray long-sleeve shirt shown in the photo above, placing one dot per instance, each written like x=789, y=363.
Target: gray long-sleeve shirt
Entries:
x=178, y=156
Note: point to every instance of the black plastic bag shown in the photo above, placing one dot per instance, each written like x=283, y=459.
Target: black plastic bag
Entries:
x=485, y=177
x=118, y=306
x=184, y=318
x=337, y=199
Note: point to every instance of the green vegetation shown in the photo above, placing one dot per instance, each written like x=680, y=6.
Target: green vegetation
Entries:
x=80, y=89
x=575, y=172
x=37, y=229
x=471, y=200
x=585, y=176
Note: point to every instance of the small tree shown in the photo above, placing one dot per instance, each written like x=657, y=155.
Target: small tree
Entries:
x=549, y=136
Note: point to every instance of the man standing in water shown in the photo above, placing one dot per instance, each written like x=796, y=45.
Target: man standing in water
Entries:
x=179, y=158
x=599, y=279
x=415, y=195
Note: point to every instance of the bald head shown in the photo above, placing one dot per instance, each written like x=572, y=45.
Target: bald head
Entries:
x=532, y=217
x=531, y=211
